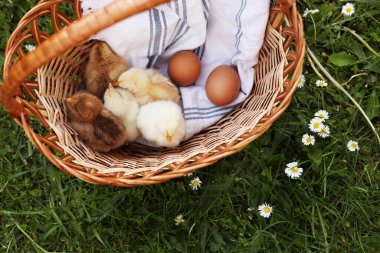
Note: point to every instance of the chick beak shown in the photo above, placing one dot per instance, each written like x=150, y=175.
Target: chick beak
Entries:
x=168, y=138
x=71, y=101
x=117, y=84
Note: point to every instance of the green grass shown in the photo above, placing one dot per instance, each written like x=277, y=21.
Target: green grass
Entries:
x=333, y=207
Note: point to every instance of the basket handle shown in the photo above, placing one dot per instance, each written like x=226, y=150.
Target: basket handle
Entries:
x=285, y=5
x=73, y=35
x=78, y=32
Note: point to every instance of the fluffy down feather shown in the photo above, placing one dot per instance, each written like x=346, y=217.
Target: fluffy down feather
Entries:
x=123, y=104
x=148, y=85
x=103, y=67
x=97, y=127
x=162, y=123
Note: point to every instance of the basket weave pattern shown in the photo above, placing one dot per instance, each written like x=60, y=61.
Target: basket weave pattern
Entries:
x=276, y=77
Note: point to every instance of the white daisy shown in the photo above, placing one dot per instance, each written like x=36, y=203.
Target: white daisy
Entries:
x=325, y=131
x=195, y=183
x=316, y=125
x=308, y=139
x=293, y=171
x=302, y=81
x=321, y=83
x=353, y=145
x=179, y=219
x=265, y=210
x=307, y=12
x=30, y=48
x=348, y=9
x=322, y=114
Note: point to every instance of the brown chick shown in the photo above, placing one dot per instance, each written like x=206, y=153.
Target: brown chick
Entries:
x=103, y=67
x=98, y=128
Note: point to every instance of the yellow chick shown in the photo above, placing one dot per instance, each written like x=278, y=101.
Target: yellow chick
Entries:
x=123, y=104
x=148, y=85
x=98, y=128
x=162, y=123
x=103, y=67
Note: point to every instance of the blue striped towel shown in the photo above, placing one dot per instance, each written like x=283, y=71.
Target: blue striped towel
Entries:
x=219, y=31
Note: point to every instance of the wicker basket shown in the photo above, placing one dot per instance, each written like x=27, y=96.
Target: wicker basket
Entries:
x=36, y=83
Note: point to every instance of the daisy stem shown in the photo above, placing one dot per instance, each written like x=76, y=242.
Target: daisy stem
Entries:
x=338, y=17
x=315, y=29
x=314, y=67
x=340, y=87
x=323, y=99
x=354, y=76
x=356, y=158
x=361, y=40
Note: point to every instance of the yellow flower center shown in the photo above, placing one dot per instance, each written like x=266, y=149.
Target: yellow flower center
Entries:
x=266, y=209
x=354, y=145
x=321, y=116
x=195, y=183
x=294, y=170
x=348, y=9
x=316, y=125
x=308, y=139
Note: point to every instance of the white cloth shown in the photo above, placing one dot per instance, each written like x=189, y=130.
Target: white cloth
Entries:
x=235, y=33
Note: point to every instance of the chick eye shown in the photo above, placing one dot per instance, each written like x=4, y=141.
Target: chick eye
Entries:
x=77, y=105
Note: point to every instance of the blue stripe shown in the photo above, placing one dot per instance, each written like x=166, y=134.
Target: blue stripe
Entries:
x=184, y=11
x=180, y=32
x=179, y=37
x=203, y=48
x=196, y=51
x=206, y=4
x=206, y=113
x=208, y=117
x=205, y=108
x=206, y=8
x=152, y=61
x=176, y=7
x=165, y=31
x=151, y=32
x=238, y=21
x=157, y=37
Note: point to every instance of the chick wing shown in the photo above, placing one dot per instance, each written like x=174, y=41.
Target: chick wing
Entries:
x=148, y=85
x=123, y=105
x=103, y=67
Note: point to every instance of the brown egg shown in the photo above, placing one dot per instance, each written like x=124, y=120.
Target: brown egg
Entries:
x=184, y=68
x=223, y=85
